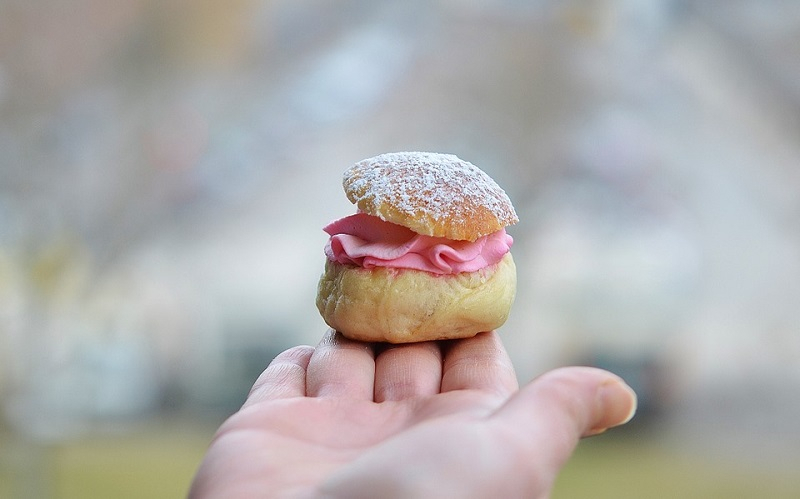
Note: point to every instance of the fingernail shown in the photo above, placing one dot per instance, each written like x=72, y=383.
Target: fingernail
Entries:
x=618, y=402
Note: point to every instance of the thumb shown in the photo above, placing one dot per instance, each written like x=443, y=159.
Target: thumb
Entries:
x=550, y=414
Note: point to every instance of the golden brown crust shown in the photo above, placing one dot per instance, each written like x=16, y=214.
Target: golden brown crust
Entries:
x=432, y=194
x=402, y=306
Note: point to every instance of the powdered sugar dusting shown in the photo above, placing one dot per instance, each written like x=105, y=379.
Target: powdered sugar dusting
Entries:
x=432, y=189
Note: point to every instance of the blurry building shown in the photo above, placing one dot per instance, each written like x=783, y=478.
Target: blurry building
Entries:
x=166, y=168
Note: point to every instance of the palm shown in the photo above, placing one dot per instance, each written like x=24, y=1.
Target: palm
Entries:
x=346, y=418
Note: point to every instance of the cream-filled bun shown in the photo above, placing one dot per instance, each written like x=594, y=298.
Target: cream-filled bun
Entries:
x=426, y=256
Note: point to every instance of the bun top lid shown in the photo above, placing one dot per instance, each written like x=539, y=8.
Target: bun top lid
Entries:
x=432, y=194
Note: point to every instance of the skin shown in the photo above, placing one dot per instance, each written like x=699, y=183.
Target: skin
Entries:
x=434, y=419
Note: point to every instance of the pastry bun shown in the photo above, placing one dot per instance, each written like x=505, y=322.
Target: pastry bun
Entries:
x=432, y=194
x=403, y=306
x=436, y=195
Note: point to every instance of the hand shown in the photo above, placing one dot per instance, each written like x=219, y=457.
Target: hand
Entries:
x=434, y=419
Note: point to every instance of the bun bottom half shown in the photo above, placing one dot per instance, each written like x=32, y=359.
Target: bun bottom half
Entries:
x=404, y=306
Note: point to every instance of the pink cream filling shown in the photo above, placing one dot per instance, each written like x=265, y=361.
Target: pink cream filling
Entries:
x=368, y=241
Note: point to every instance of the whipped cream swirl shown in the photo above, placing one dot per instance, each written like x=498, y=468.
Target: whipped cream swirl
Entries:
x=367, y=241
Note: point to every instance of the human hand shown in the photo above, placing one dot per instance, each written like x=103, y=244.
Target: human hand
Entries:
x=435, y=419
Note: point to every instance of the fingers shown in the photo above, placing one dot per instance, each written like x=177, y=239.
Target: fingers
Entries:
x=547, y=417
x=341, y=368
x=345, y=368
x=284, y=377
x=479, y=363
x=407, y=371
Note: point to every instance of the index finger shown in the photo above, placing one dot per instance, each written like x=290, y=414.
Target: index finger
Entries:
x=478, y=363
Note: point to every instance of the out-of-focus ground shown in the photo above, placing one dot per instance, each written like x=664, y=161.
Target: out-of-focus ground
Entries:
x=166, y=168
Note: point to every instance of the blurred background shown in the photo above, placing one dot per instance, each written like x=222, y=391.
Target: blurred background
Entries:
x=166, y=168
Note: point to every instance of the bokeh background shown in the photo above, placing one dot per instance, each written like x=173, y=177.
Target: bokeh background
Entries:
x=166, y=168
